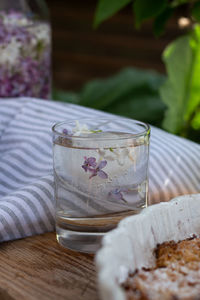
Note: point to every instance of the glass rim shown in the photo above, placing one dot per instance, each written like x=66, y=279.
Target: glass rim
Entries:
x=146, y=131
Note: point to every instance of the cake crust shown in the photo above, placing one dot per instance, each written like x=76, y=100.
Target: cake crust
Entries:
x=176, y=275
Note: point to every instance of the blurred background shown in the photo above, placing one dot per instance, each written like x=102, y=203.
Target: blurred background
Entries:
x=119, y=69
x=81, y=53
x=151, y=74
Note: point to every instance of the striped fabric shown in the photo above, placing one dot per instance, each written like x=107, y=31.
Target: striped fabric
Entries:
x=26, y=177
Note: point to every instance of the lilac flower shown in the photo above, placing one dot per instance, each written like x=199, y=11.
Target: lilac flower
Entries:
x=117, y=194
x=25, y=56
x=90, y=165
x=67, y=132
x=98, y=170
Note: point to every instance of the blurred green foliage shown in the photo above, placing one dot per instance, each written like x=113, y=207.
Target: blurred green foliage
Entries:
x=181, y=90
x=132, y=93
x=107, y=8
x=171, y=102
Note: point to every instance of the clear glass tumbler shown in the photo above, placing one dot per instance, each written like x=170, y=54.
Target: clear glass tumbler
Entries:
x=101, y=176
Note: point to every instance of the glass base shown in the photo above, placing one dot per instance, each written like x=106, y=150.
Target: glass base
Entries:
x=87, y=242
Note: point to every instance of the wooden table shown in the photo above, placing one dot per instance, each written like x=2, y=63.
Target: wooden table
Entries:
x=37, y=268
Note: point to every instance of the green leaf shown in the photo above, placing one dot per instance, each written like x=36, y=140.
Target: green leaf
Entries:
x=196, y=11
x=132, y=93
x=196, y=121
x=181, y=91
x=176, y=3
x=161, y=20
x=103, y=92
x=145, y=107
x=146, y=9
x=107, y=8
x=70, y=97
x=95, y=131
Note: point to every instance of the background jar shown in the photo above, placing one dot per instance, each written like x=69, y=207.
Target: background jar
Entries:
x=25, y=49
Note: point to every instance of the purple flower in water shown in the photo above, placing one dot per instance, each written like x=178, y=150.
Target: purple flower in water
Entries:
x=67, y=132
x=91, y=166
x=89, y=163
x=98, y=170
x=117, y=194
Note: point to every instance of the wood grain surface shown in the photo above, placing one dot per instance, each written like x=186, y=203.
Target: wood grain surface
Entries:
x=38, y=268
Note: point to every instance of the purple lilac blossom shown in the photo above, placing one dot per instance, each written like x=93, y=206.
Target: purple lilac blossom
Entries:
x=67, y=132
x=25, y=57
x=116, y=194
x=98, y=170
x=90, y=165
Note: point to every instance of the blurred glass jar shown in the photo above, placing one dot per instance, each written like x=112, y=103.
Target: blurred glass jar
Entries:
x=25, y=49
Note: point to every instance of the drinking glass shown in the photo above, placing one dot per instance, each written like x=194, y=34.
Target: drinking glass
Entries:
x=101, y=176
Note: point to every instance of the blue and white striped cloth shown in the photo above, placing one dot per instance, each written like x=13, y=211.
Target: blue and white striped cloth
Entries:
x=26, y=177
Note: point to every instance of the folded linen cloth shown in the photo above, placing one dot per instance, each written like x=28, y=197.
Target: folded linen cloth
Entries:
x=26, y=176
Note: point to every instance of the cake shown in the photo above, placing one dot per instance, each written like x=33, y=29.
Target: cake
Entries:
x=176, y=275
